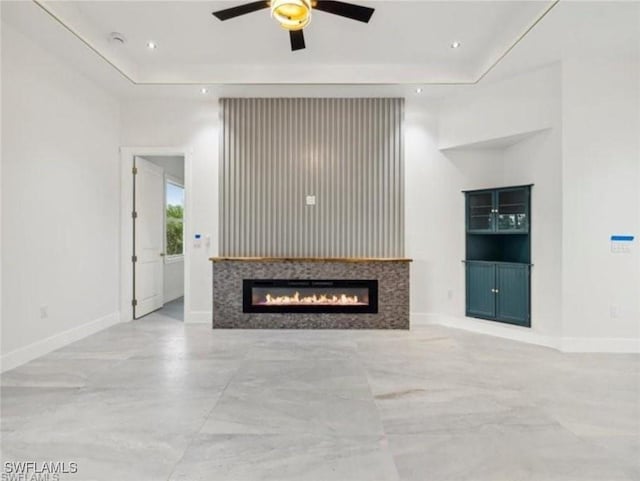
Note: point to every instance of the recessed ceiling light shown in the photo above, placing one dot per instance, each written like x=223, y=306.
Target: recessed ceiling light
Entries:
x=455, y=45
x=419, y=90
x=151, y=45
x=204, y=90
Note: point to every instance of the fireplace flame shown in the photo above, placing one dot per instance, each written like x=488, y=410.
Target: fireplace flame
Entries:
x=315, y=299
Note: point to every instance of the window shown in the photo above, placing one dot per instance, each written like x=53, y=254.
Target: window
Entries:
x=174, y=218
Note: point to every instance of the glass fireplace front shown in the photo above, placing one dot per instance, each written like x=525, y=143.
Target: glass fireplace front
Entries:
x=295, y=295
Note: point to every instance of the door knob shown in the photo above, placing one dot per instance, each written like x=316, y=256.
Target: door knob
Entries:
x=162, y=254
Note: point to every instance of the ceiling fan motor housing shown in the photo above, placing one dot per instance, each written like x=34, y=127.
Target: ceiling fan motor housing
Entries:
x=291, y=14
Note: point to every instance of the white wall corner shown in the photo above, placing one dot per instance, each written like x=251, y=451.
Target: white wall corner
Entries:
x=39, y=348
x=505, y=331
x=198, y=317
x=603, y=344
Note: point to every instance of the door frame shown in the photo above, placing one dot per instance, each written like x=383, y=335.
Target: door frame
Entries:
x=127, y=155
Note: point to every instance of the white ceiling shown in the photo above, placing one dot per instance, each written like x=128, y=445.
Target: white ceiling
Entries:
x=406, y=44
x=405, y=41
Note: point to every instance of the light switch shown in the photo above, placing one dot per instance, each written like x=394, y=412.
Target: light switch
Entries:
x=311, y=200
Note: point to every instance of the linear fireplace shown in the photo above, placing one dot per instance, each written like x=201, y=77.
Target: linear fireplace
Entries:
x=320, y=296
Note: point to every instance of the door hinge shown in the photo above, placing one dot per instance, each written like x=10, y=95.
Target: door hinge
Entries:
x=134, y=258
x=134, y=302
x=134, y=214
x=134, y=170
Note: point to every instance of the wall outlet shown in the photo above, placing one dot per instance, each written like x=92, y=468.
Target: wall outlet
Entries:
x=44, y=312
x=311, y=200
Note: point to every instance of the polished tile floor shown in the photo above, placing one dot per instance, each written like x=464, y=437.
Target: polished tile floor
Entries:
x=159, y=400
x=173, y=309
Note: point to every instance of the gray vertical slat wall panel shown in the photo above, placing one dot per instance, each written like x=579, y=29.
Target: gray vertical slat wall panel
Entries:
x=347, y=152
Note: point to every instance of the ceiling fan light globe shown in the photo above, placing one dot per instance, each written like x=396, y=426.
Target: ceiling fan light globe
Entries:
x=291, y=14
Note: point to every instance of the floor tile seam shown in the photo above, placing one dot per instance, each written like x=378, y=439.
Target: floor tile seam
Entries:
x=384, y=435
x=197, y=431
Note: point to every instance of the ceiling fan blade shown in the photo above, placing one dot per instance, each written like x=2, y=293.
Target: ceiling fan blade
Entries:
x=233, y=12
x=349, y=10
x=297, y=40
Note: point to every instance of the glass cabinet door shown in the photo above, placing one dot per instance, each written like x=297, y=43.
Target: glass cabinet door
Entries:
x=512, y=210
x=480, y=211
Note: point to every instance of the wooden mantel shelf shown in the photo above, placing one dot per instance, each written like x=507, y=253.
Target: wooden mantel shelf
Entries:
x=311, y=259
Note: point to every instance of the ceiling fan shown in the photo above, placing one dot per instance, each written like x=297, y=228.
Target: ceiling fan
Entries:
x=295, y=15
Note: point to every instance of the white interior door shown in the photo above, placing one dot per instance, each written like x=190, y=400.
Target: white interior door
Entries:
x=148, y=237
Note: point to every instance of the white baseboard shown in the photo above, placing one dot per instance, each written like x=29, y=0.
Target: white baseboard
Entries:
x=39, y=348
x=505, y=331
x=524, y=334
x=604, y=344
x=198, y=317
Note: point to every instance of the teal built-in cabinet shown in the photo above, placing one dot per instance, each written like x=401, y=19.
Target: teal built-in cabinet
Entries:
x=498, y=254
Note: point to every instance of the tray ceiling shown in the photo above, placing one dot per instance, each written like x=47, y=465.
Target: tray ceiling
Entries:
x=406, y=42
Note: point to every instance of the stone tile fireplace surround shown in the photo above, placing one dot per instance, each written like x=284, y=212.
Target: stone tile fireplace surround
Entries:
x=391, y=274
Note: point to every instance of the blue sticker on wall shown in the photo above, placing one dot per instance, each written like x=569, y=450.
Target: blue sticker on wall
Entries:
x=622, y=238
x=621, y=244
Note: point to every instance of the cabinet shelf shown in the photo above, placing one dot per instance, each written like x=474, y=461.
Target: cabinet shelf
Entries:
x=498, y=255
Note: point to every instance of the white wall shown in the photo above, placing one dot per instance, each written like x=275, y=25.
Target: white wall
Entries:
x=60, y=195
x=585, y=165
x=523, y=103
x=601, y=168
x=60, y=163
x=434, y=203
x=173, y=279
x=537, y=160
x=173, y=167
x=1, y=351
x=476, y=122
x=434, y=215
x=194, y=126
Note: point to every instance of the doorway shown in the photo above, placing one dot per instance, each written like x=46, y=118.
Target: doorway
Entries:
x=158, y=216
